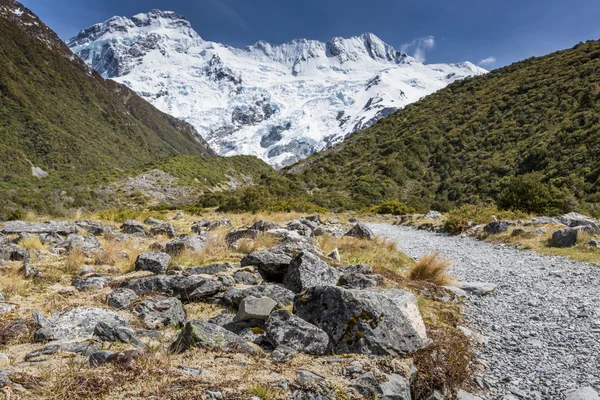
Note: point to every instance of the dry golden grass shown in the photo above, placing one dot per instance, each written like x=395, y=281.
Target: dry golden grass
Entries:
x=431, y=268
x=109, y=254
x=32, y=243
x=381, y=254
x=74, y=261
x=13, y=283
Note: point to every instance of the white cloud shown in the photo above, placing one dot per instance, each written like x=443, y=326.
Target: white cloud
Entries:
x=487, y=61
x=419, y=47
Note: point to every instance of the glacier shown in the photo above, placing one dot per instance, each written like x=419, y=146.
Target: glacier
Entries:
x=277, y=102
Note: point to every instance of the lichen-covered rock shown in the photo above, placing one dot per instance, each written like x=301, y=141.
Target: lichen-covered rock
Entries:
x=31, y=271
x=108, y=333
x=163, y=229
x=565, y=237
x=121, y=298
x=255, y=308
x=234, y=235
x=233, y=296
x=495, y=227
x=394, y=387
x=193, y=243
x=575, y=219
x=359, y=276
x=209, y=336
x=377, y=322
x=85, y=348
x=211, y=269
x=264, y=226
x=247, y=278
x=18, y=227
x=82, y=243
x=284, y=328
x=157, y=263
x=132, y=226
x=307, y=270
x=78, y=323
x=93, y=228
x=91, y=282
x=272, y=263
x=160, y=311
x=186, y=288
x=360, y=231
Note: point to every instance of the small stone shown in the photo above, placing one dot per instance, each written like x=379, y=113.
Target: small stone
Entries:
x=255, y=308
x=121, y=298
x=335, y=255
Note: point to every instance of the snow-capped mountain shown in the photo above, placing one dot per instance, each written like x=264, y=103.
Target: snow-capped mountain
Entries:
x=278, y=102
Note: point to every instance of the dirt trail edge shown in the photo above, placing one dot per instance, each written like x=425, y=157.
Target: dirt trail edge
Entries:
x=541, y=327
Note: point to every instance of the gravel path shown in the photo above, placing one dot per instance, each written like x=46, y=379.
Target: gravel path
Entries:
x=541, y=326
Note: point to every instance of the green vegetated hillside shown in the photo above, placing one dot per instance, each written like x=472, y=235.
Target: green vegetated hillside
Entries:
x=58, y=115
x=537, y=120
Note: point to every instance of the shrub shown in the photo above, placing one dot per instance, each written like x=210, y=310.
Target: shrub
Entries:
x=431, y=268
x=529, y=194
x=460, y=218
x=394, y=207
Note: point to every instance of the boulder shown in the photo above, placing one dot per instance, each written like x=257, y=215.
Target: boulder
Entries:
x=565, y=237
x=121, y=298
x=160, y=311
x=98, y=358
x=393, y=387
x=284, y=328
x=287, y=236
x=585, y=393
x=307, y=270
x=360, y=231
x=222, y=319
x=234, y=235
x=433, y=215
x=93, y=228
x=574, y=219
x=78, y=323
x=358, y=276
x=247, y=278
x=211, y=269
x=186, y=288
x=377, y=322
x=163, y=229
x=153, y=221
x=108, y=333
x=495, y=227
x=190, y=243
x=132, y=226
x=477, y=288
x=91, y=282
x=209, y=336
x=255, y=308
x=19, y=227
x=272, y=263
x=85, y=244
x=84, y=348
x=233, y=297
x=263, y=226
x=157, y=263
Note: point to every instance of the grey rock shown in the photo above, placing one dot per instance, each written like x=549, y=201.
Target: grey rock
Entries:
x=186, y=288
x=272, y=263
x=5, y=378
x=86, y=269
x=84, y=348
x=565, y=237
x=31, y=271
x=232, y=297
x=18, y=227
x=306, y=378
x=477, y=288
x=495, y=227
x=377, y=322
x=85, y=244
x=263, y=226
x=284, y=328
x=92, y=228
x=359, y=281
x=543, y=221
x=574, y=219
x=360, y=231
x=194, y=371
x=307, y=270
x=163, y=229
x=78, y=323
x=367, y=386
x=234, y=235
x=585, y=393
x=222, y=319
x=6, y=308
x=335, y=255
x=98, y=358
x=132, y=227
x=39, y=319
x=108, y=333
x=178, y=216
x=462, y=395
x=247, y=278
x=396, y=387
x=238, y=327
x=283, y=353
x=190, y=243
x=91, y=282
x=209, y=336
x=433, y=215
x=154, y=221
x=213, y=395
x=157, y=263
x=121, y=298
x=593, y=243
x=211, y=269
x=159, y=311
x=255, y=308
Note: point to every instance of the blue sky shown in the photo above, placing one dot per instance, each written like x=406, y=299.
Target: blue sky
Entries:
x=499, y=31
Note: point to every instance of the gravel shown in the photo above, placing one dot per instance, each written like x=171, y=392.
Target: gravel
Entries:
x=541, y=324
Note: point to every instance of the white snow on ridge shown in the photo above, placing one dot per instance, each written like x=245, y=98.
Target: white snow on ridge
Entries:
x=278, y=102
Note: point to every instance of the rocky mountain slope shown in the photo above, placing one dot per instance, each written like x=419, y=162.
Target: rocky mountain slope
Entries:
x=64, y=127
x=537, y=119
x=278, y=102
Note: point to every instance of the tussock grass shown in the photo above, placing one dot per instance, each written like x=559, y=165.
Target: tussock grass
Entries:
x=109, y=254
x=74, y=261
x=264, y=392
x=431, y=268
x=13, y=283
x=32, y=243
x=261, y=242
